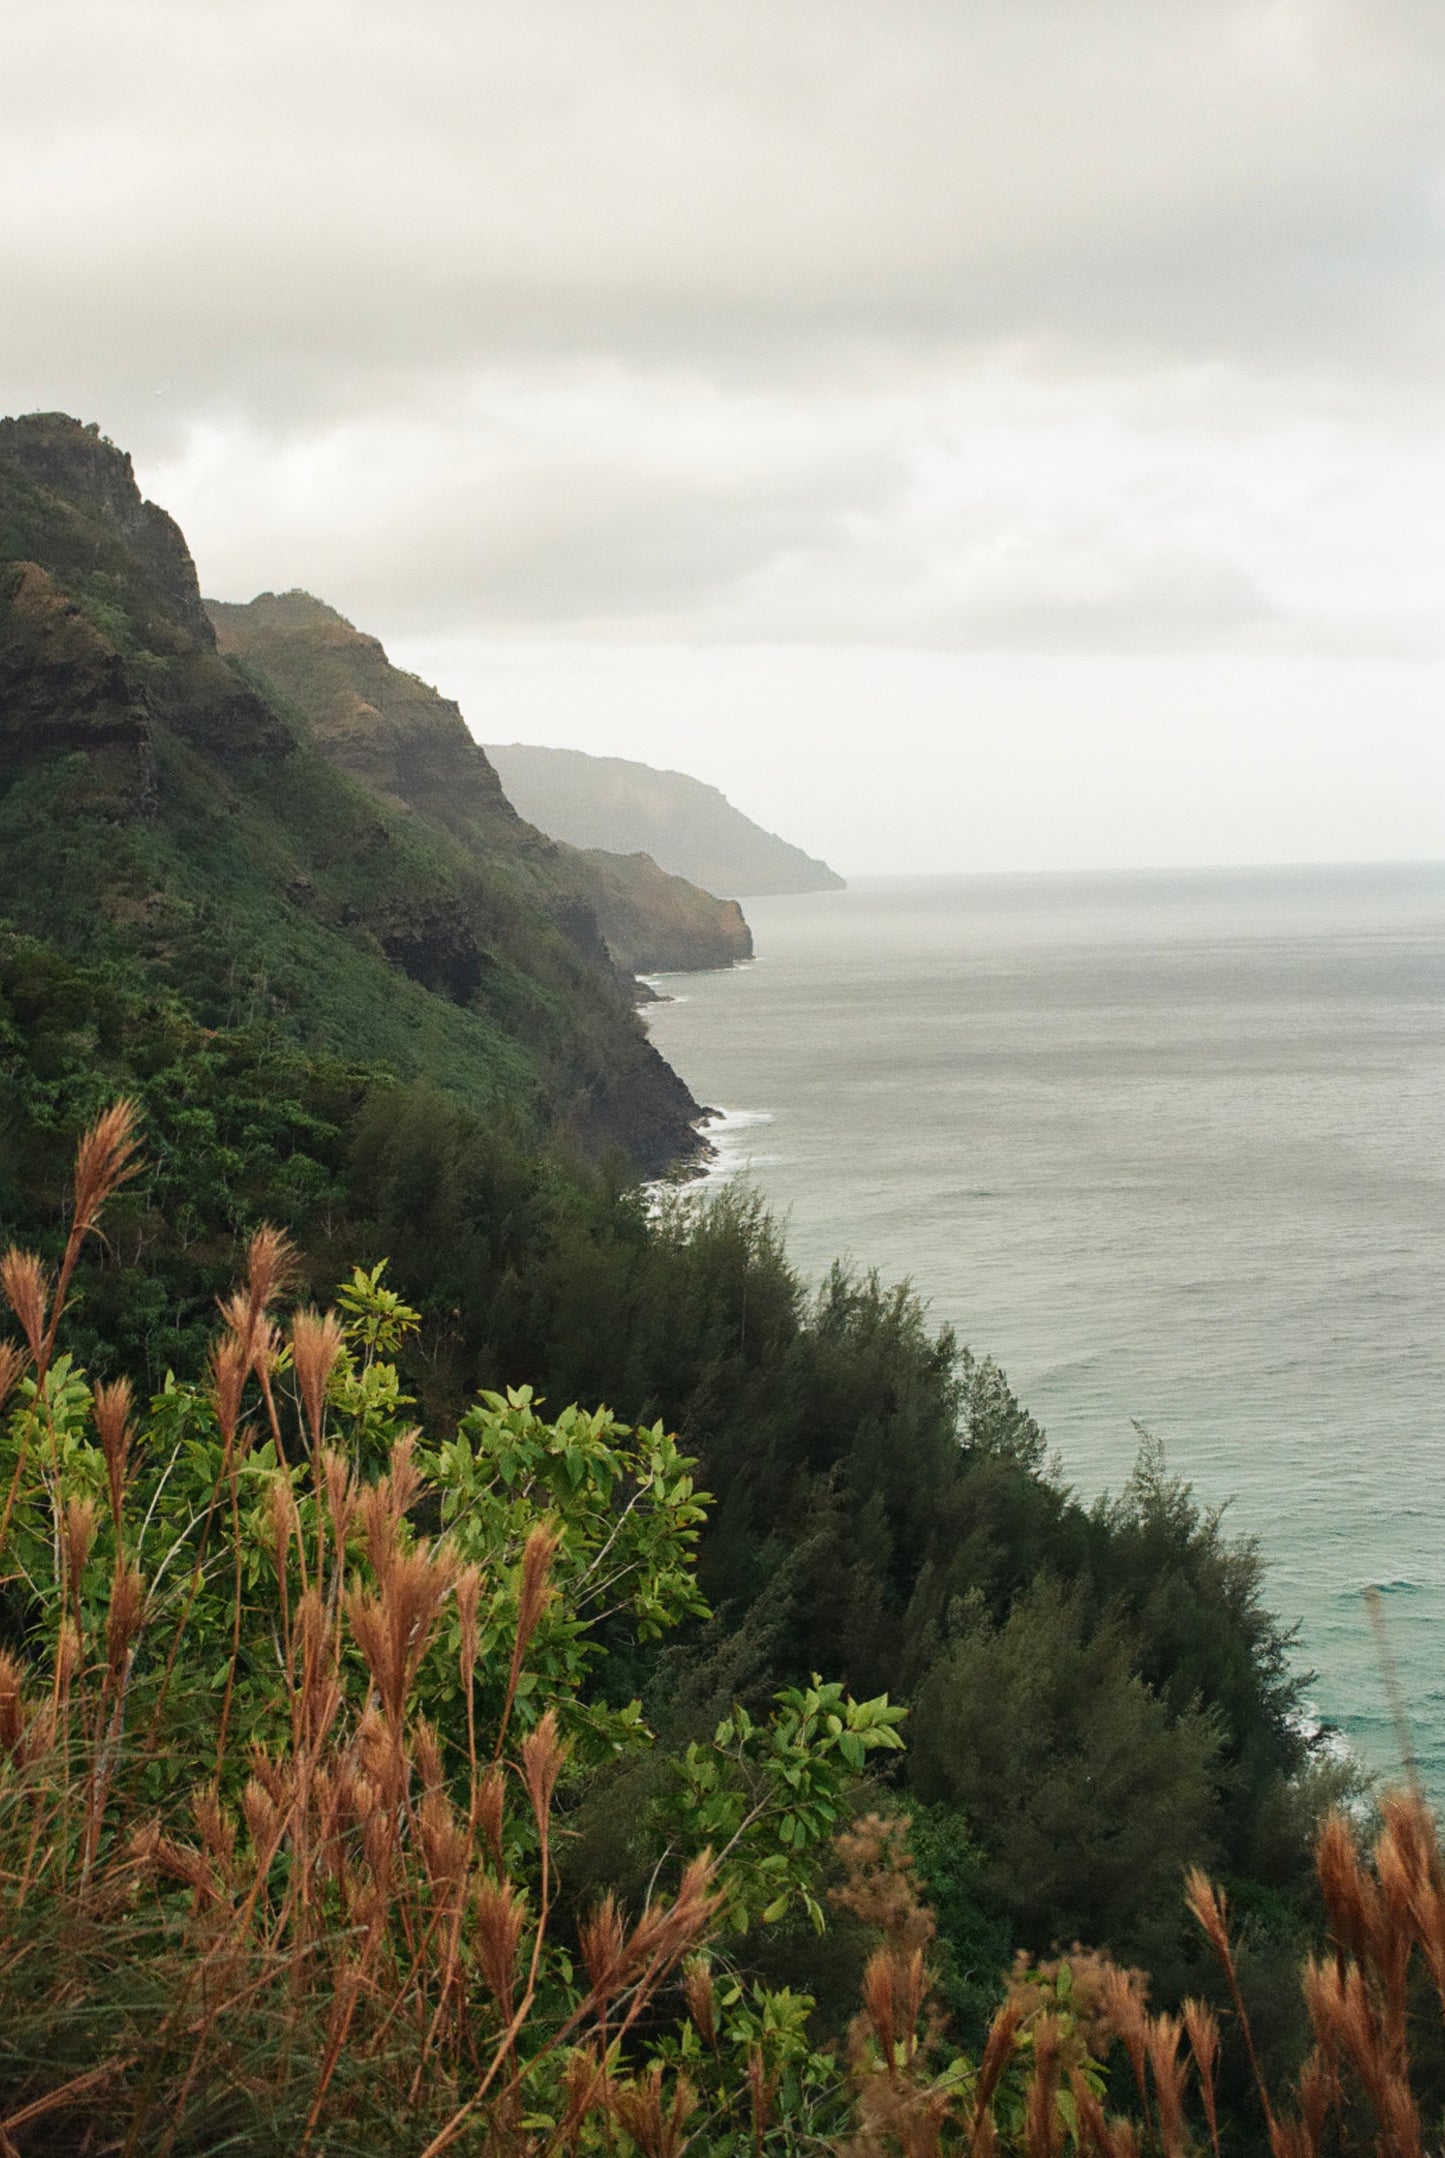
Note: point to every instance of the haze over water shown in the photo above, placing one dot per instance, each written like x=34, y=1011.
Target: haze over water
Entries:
x=1171, y=1147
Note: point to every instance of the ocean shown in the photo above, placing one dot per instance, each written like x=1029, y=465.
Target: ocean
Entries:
x=1170, y=1146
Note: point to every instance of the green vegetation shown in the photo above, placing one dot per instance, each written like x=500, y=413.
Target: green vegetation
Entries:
x=400, y=1047
x=284, y=1776
x=879, y=1511
x=302, y=1716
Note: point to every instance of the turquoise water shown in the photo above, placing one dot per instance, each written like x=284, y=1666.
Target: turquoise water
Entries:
x=1171, y=1146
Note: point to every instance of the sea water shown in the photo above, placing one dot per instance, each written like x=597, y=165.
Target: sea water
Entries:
x=1171, y=1147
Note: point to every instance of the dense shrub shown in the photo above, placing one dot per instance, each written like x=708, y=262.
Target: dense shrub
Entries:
x=881, y=1500
x=298, y=1710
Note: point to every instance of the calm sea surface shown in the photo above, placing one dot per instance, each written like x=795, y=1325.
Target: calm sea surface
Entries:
x=1171, y=1147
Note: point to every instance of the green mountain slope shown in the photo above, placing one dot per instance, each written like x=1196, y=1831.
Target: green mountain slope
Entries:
x=689, y=828
x=162, y=810
x=198, y=906
x=410, y=745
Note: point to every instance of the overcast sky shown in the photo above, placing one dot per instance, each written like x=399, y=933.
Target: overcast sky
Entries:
x=974, y=433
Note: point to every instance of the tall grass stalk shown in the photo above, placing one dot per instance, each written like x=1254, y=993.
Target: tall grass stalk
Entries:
x=338, y=1937
x=279, y=1829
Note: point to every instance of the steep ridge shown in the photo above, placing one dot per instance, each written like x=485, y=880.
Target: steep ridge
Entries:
x=691, y=829
x=655, y=923
x=411, y=745
x=161, y=809
x=386, y=727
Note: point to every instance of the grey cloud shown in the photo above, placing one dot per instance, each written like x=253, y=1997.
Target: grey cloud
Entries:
x=294, y=214
x=1172, y=603
x=272, y=221
x=1179, y=604
x=528, y=530
x=653, y=555
x=674, y=566
x=584, y=543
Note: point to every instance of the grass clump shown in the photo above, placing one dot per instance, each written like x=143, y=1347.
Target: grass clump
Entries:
x=294, y=1705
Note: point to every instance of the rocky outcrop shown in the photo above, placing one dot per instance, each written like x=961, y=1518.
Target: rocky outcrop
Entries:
x=65, y=691
x=385, y=726
x=84, y=469
x=657, y=924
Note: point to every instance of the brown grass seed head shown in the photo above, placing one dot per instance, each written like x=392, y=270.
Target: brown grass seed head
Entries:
x=106, y=1158
x=27, y=1285
x=316, y=1344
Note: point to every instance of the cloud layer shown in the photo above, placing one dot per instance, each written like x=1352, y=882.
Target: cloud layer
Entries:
x=283, y=202
x=1047, y=330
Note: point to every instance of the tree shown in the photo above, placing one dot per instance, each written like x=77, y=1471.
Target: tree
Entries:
x=1088, y=1797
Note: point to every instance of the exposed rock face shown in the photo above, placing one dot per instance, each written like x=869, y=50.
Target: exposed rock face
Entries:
x=80, y=465
x=443, y=956
x=102, y=631
x=689, y=828
x=397, y=735
x=64, y=689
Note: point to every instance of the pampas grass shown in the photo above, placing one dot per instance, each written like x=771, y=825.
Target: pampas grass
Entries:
x=331, y=1927
x=334, y=1944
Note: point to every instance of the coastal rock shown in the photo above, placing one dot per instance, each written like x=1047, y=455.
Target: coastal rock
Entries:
x=86, y=470
x=659, y=924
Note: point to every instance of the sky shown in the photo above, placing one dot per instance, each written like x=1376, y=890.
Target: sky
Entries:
x=975, y=434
